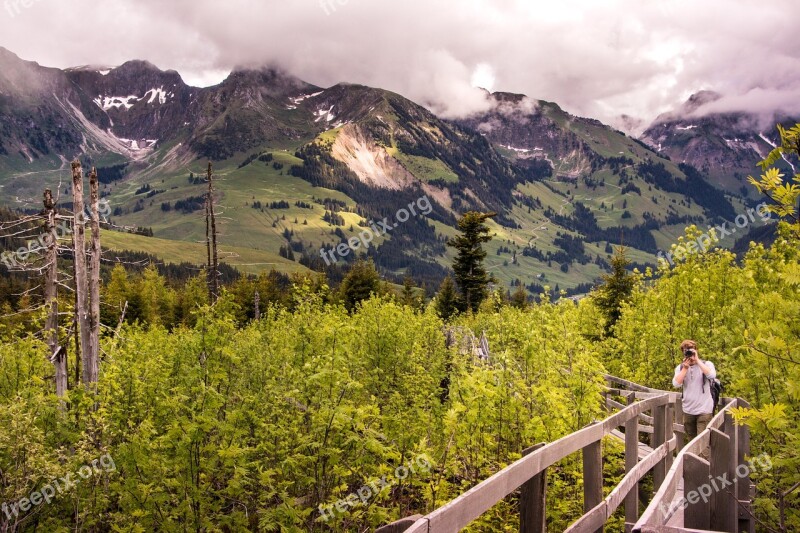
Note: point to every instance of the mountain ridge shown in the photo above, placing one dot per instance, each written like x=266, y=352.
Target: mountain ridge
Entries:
x=552, y=178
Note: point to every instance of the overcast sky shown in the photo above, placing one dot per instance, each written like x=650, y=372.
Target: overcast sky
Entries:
x=595, y=58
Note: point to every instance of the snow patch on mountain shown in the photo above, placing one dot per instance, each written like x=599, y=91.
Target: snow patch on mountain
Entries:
x=159, y=93
x=297, y=99
x=327, y=114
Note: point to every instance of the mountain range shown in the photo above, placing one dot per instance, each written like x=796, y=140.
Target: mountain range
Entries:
x=303, y=168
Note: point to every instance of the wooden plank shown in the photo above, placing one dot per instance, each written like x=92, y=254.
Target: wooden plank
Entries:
x=695, y=475
x=533, y=500
x=619, y=419
x=640, y=395
x=669, y=433
x=593, y=478
x=746, y=521
x=400, y=526
x=659, y=437
x=678, y=427
x=617, y=405
x=644, y=449
x=600, y=514
x=723, y=503
x=668, y=529
x=627, y=384
x=631, y=459
x=628, y=483
x=733, y=443
x=420, y=526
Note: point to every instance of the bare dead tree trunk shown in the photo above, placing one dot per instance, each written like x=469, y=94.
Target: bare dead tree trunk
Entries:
x=257, y=303
x=57, y=353
x=211, y=240
x=92, y=360
x=75, y=329
x=208, y=245
x=81, y=277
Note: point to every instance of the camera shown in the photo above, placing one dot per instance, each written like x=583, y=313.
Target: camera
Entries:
x=689, y=352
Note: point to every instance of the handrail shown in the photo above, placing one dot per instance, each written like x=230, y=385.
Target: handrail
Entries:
x=458, y=513
x=600, y=514
x=654, y=514
x=666, y=436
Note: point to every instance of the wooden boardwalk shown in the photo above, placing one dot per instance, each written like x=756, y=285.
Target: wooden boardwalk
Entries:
x=637, y=413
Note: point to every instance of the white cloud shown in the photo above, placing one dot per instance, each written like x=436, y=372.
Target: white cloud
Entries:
x=595, y=59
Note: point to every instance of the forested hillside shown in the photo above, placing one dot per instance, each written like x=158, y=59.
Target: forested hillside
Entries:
x=235, y=424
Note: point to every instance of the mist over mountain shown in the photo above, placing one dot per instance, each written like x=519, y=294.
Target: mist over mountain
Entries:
x=550, y=176
x=725, y=145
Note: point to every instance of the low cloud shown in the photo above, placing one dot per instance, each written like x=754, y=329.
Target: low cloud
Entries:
x=595, y=59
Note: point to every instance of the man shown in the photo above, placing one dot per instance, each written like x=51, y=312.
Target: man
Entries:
x=694, y=375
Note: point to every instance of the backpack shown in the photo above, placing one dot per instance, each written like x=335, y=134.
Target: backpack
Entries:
x=716, y=391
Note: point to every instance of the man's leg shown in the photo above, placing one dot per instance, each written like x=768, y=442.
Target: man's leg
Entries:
x=702, y=424
x=690, y=426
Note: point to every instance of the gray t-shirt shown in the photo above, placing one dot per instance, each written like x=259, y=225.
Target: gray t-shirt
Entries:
x=697, y=399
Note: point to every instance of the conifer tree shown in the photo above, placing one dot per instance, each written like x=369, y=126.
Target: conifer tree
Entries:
x=361, y=282
x=519, y=298
x=471, y=276
x=617, y=288
x=447, y=299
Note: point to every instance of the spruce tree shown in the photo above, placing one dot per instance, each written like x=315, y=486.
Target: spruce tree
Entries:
x=361, y=282
x=407, y=296
x=447, y=299
x=617, y=288
x=471, y=276
x=519, y=298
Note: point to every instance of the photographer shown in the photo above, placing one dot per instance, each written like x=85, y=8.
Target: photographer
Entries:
x=698, y=404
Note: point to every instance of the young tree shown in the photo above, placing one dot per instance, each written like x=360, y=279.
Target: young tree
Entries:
x=471, y=276
x=407, y=296
x=519, y=298
x=447, y=299
x=617, y=288
x=361, y=282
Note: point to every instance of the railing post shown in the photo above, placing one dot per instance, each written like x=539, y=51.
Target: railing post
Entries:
x=695, y=475
x=631, y=459
x=669, y=432
x=679, y=420
x=659, y=437
x=733, y=462
x=746, y=522
x=592, y=477
x=532, y=500
x=723, y=510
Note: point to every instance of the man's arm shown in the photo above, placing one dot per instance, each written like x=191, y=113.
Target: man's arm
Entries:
x=707, y=368
x=680, y=374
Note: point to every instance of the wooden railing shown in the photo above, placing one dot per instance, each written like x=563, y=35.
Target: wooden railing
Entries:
x=672, y=476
